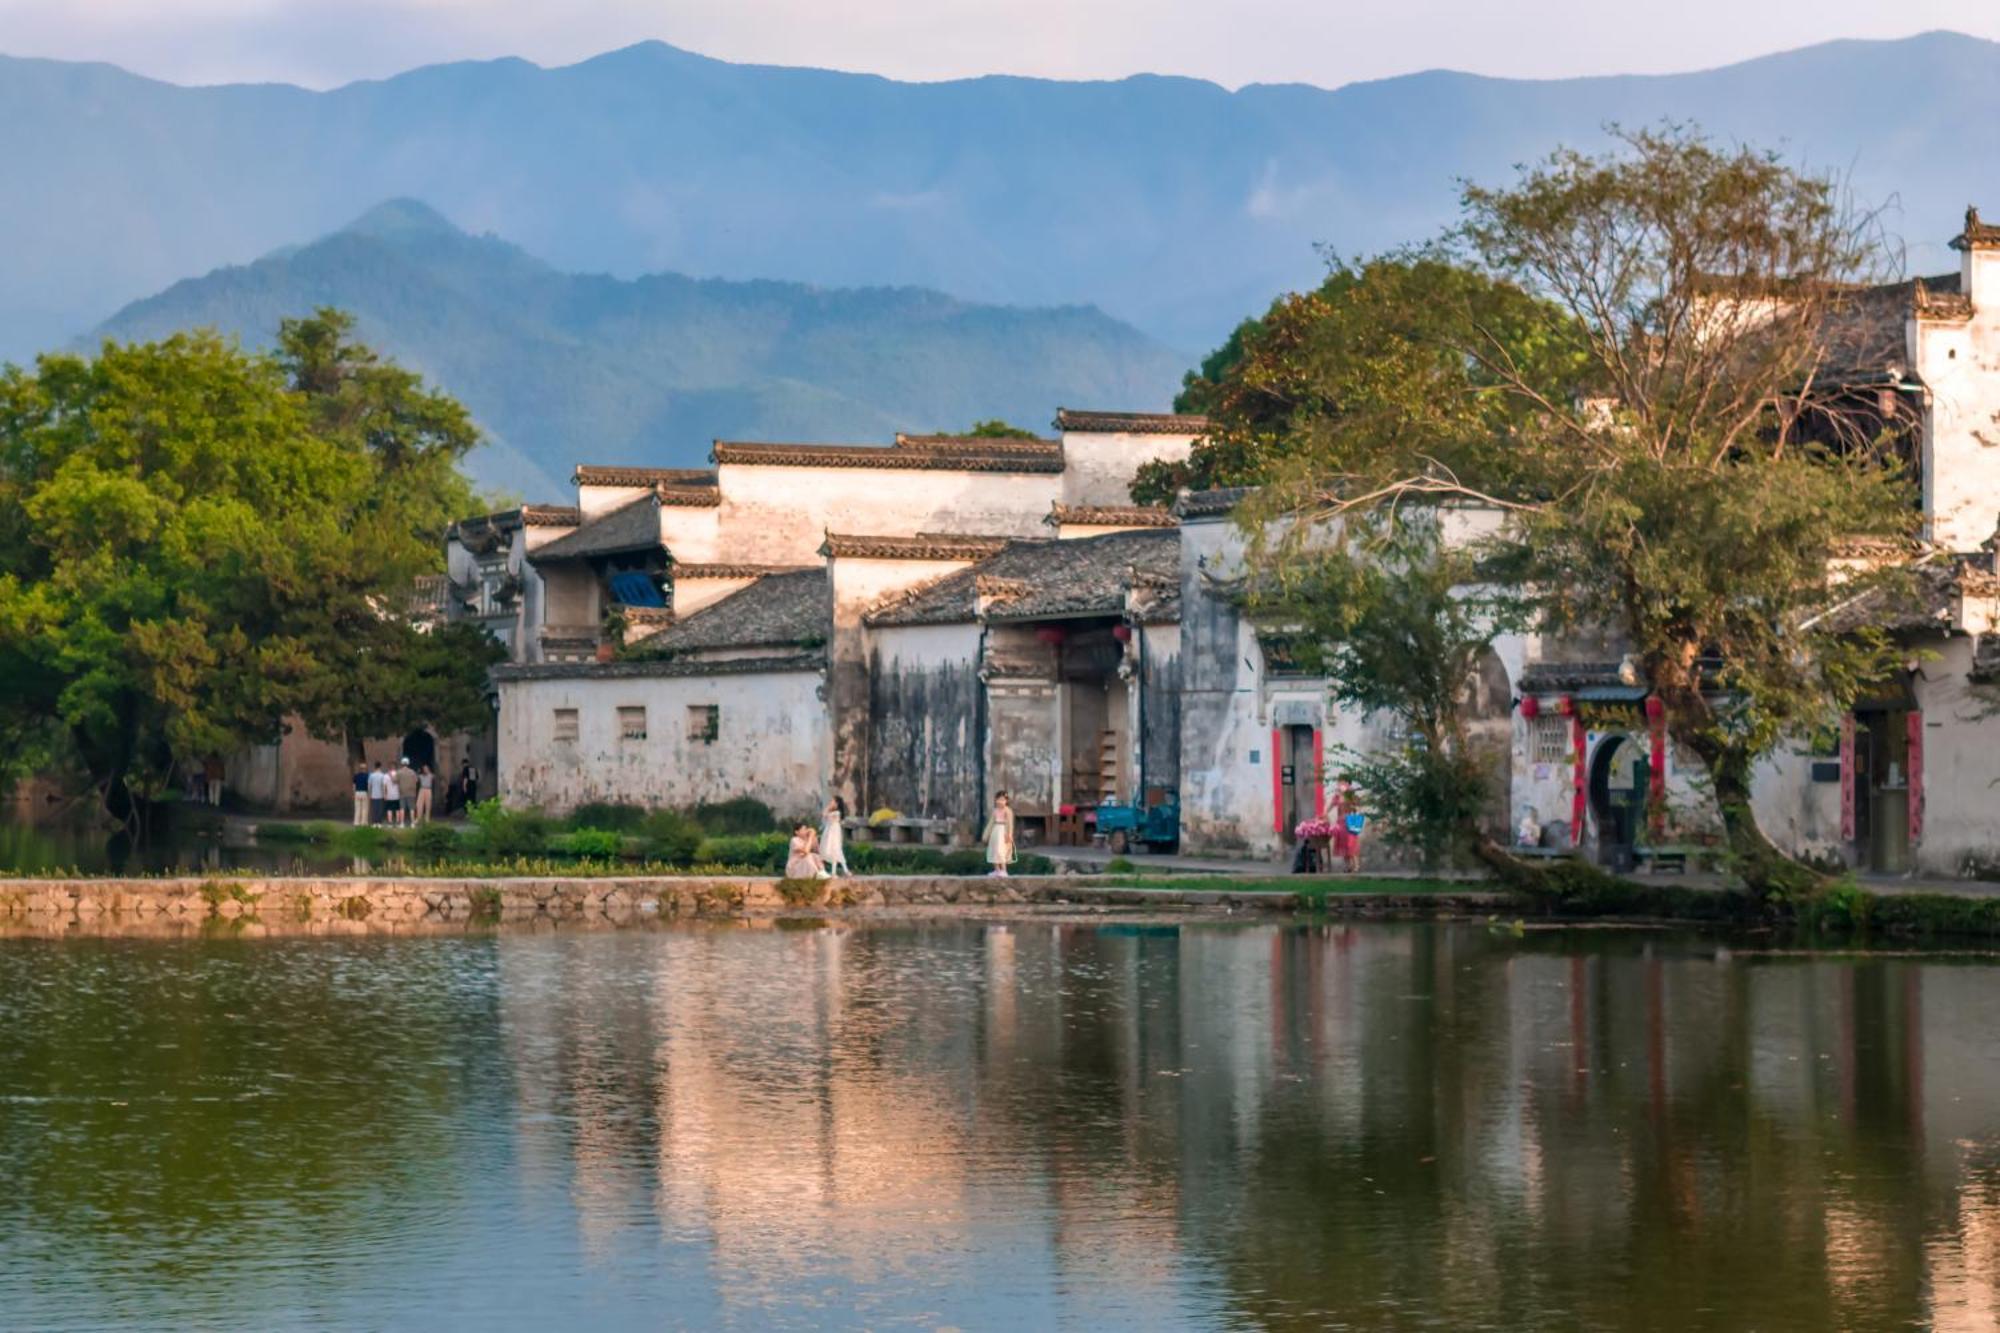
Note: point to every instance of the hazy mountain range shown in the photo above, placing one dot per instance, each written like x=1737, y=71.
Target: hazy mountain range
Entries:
x=562, y=369
x=1170, y=203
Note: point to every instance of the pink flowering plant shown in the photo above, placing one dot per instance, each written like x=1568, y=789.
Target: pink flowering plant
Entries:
x=1316, y=828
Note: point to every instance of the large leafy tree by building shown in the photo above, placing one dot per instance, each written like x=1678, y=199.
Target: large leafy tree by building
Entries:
x=1375, y=352
x=186, y=531
x=1691, y=487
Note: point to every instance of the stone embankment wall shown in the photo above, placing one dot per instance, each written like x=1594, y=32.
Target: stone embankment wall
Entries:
x=361, y=905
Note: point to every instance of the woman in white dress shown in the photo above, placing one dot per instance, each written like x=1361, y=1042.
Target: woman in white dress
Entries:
x=1000, y=835
x=832, y=840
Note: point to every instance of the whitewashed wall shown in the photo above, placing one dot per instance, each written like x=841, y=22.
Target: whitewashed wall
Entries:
x=781, y=515
x=1098, y=467
x=1959, y=363
x=773, y=742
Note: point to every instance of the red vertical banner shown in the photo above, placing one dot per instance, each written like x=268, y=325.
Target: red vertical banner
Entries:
x=1319, y=773
x=1847, y=778
x=1277, y=783
x=1916, y=776
x=1656, y=781
x=1579, y=780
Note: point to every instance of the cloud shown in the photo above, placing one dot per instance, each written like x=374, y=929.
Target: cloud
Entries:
x=320, y=43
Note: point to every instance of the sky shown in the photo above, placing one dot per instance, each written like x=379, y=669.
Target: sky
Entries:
x=322, y=43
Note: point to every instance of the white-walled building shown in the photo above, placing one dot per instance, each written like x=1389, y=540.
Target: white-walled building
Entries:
x=918, y=625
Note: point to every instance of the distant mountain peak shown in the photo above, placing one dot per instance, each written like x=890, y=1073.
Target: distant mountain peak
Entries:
x=401, y=219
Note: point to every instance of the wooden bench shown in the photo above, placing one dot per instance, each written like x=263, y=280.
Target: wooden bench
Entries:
x=1675, y=858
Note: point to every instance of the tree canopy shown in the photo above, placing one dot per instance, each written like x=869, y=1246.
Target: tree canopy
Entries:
x=196, y=542
x=1637, y=359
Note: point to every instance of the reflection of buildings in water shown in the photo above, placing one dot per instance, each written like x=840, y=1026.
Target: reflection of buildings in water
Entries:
x=1962, y=1261
x=793, y=1135
x=931, y=1103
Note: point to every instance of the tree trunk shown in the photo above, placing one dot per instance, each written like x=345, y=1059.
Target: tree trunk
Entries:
x=357, y=754
x=1765, y=870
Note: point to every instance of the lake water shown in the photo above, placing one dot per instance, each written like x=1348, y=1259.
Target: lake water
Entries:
x=988, y=1124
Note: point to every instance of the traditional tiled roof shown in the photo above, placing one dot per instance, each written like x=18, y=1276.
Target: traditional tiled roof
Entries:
x=642, y=667
x=533, y=516
x=727, y=571
x=1977, y=235
x=1939, y=298
x=989, y=456
x=657, y=617
x=688, y=497
x=1129, y=423
x=1110, y=516
x=588, y=475
x=1209, y=504
x=923, y=546
x=978, y=444
x=634, y=526
x=1552, y=677
x=775, y=611
x=1041, y=579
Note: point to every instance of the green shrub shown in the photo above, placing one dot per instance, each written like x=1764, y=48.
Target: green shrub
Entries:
x=751, y=851
x=670, y=836
x=505, y=832
x=434, y=840
x=1027, y=863
x=964, y=861
x=618, y=817
x=597, y=843
x=739, y=814
x=1119, y=865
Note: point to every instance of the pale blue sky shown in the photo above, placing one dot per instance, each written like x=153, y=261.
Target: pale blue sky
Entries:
x=1328, y=42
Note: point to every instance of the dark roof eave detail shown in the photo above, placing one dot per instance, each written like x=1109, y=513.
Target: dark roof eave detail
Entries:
x=657, y=667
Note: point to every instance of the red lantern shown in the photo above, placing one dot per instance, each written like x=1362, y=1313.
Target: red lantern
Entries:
x=1655, y=708
x=1566, y=706
x=1531, y=707
x=1122, y=633
x=1050, y=634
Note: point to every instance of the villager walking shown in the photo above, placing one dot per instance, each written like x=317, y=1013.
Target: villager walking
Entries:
x=1000, y=835
x=425, y=781
x=833, y=838
x=376, y=777
x=468, y=782
x=392, y=798
x=212, y=770
x=362, y=809
x=801, y=862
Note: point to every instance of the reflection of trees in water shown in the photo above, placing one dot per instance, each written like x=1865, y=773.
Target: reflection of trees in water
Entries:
x=1113, y=1126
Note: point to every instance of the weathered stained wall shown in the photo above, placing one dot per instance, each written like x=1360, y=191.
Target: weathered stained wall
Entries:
x=925, y=743
x=772, y=745
x=1961, y=804
x=1159, y=709
x=855, y=584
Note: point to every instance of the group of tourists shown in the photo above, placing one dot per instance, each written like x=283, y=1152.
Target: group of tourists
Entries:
x=820, y=853
x=401, y=796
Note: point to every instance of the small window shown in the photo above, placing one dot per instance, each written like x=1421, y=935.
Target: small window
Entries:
x=632, y=723
x=704, y=723
x=1549, y=741
x=566, y=729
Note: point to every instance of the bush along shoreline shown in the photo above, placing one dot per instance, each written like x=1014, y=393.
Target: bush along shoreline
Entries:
x=740, y=836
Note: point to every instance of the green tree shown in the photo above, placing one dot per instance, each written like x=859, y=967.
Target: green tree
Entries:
x=1398, y=621
x=1691, y=488
x=1375, y=353
x=354, y=665
x=996, y=429
x=196, y=541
